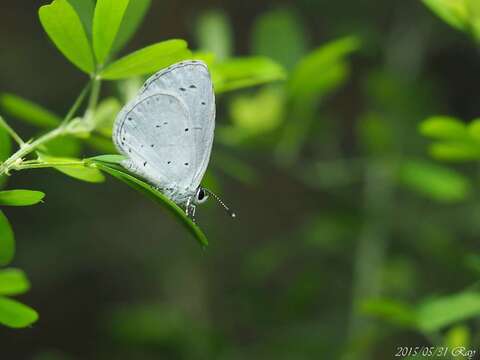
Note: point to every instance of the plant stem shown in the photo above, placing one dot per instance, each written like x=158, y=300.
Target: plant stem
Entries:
x=61, y=130
x=92, y=101
x=47, y=164
x=11, y=132
x=77, y=103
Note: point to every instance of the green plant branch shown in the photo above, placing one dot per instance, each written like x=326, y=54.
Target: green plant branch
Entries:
x=77, y=103
x=92, y=101
x=15, y=160
x=11, y=132
x=46, y=164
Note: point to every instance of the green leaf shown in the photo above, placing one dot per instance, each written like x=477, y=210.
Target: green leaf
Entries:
x=65, y=29
x=84, y=9
x=455, y=151
x=107, y=19
x=438, y=313
x=245, y=72
x=67, y=146
x=111, y=165
x=20, y=197
x=132, y=19
x=457, y=336
x=280, y=35
x=444, y=127
x=13, y=282
x=79, y=172
x=260, y=112
x=474, y=129
x=453, y=12
x=16, y=315
x=397, y=313
x=214, y=34
x=435, y=181
x=101, y=143
x=323, y=69
x=28, y=111
x=7, y=241
x=147, y=60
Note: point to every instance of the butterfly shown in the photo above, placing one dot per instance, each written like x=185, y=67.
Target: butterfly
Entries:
x=166, y=132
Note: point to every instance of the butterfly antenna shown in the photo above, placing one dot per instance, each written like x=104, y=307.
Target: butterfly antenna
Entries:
x=227, y=209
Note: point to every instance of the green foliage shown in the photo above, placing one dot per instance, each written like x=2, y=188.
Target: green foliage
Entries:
x=84, y=10
x=375, y=134
x=16, y=315
x=258, y=113
x=147, y=60
x=7, y=241
x=456, y=141
x=65, y=29
x=134, y=14
x=20, y=197
x=111, y=165
x=107, y=19
x=289, y=43
x=322, y=69
x=13, y=282
x=444, y=127
x=464, y=15
x=214, y=34
x=429, y=316
x=244, y=72
x=438, y=313
x=457, y=336
x=435, y=181
x=74, y=168
x=28, y=111
x=113, y=24
x=395, y=312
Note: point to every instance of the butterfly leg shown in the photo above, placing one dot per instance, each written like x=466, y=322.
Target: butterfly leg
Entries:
x=190, y=209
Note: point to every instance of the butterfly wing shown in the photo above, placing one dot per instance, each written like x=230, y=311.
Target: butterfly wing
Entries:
x=152, y=132
x=190, y=81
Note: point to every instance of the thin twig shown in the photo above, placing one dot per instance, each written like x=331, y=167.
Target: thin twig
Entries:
x=11, y=132
x=77, y=103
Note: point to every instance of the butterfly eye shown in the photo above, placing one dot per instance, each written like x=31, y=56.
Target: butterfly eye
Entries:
x=201, y=196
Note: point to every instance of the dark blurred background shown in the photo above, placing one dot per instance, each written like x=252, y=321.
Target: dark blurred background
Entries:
x=324, y=220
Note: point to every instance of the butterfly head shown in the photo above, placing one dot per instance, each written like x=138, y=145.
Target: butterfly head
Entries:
x=202, y=195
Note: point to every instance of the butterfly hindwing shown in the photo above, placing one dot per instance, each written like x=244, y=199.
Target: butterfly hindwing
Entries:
x=151, y=132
